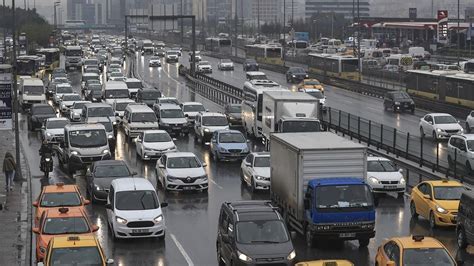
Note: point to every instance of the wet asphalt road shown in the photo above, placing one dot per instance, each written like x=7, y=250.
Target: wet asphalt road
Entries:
x=191, y=218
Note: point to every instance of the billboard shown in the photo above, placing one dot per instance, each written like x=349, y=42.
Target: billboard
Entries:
x=412, y=13
x=443, y=26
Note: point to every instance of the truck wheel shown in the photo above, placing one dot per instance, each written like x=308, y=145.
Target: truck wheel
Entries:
x=461, y=239
x=364, y=242
x=413, y=212
x=70, y=170
x=309, y=238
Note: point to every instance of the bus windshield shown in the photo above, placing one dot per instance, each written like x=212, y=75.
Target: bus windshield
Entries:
x=73, y=52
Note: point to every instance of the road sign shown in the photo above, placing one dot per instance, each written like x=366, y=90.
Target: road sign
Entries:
x=5, y=97
x=412, y=13
x=443, y=26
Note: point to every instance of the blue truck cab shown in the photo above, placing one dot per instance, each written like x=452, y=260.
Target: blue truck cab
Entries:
x=339, y=208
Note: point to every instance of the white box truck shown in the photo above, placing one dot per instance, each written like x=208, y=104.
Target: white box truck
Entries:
x=317, y=181
x=289, y=111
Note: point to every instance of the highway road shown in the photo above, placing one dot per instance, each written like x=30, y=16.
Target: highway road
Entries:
x=192, y=218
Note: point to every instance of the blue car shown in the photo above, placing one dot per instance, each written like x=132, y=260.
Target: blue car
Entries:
x=229, y=145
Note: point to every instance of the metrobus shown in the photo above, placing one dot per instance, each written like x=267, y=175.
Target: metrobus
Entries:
x=265, y=53
x=253, y=102
x=28, y=65
x=403, y=61
x=219, y=45
x=338, y=66
x=51, y=56
x=75, y=23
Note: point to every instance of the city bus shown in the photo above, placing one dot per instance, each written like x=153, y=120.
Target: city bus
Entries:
x=253, y=102
x=219, y=45
x=265, y=53
x=51, y=56
x=28, y=65
x=337, y=66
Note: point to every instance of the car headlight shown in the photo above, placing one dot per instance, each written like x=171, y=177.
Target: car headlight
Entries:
x=293, y=76
x=158, y=219
x=47, y=159
x=441, y=209
x=97, y=187
x=164, y=124
x=306, y=76
x=74, y=153
x=110, y=136
x=403, y=181
x=397, y=103
x=114, y=123
x=105, y=151
x=171, y=178
x=292, y=255
x=222, y=149
x=461, y=131
x=94, y=99
x=42, y=250
x=243, y=257
x=120, y=220
x=439, y=130
x=207, y=130
x=245, y=150
x=373, y=180
x=48, y=134
x=259, y=177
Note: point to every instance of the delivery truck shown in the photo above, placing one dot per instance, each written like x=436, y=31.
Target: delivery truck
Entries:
x=289, y=111
x=317, y=181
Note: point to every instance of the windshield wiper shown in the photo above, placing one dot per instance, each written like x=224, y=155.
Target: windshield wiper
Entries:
x=265, y=241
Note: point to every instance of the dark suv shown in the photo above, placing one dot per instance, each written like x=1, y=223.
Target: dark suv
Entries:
x=38, y=113
x=296, y=74
x=250, y=65
x=252, y=233
x=465, y=220
x=398, y=101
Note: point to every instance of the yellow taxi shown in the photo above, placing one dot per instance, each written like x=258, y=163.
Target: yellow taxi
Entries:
x=437, y=201
x=60, y=221
x=58, y=195
x=310, y=84
x=75, y=250
x=325, y=263
x=415, y=250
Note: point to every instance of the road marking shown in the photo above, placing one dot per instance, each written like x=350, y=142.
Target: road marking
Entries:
x=214, y=182
x=183, y=252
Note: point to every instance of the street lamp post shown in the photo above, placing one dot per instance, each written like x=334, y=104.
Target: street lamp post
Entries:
x=459, y=38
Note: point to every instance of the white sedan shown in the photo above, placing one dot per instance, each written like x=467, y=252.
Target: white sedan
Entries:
x=383, y=176
x=153, y=143
x=255, y=171
x=470, y=122
x=439, y=126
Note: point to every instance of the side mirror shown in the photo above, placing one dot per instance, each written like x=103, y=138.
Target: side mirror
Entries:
x=207, y=110
x=95, y=228
x=426, y=196
x=160, y=165
x=43, y=127
x=247, y=164
x=134, y=173
x=35, y=204
x=186, y=115
x=164, y=204
x=109, y=261
x=248, y=140
x=204, y=164
x=87, y=202
x=108, y=206
x=431, y=122
x=35, y=230
x=400, y=170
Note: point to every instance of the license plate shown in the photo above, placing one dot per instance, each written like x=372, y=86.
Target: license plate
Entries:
x=188, y=188
x=235, y=154
x=176, y=128
x=347, y=235
x=389, y=187
x=140, y=231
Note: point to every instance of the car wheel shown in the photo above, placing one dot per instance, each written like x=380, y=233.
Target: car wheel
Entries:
x=413, y=212
x=309, y=238
x=432, y=221
x=400, y=195
x=412, y=111
x=468, y=168
x=161, y=238
x=468, y=127
x=434, y=136
x=461, y=239
x=450, y=162
x=364, y=242
x=242, y=178
x=252, y=186
x=422, y=133
x=220, y=261
x=70, y=170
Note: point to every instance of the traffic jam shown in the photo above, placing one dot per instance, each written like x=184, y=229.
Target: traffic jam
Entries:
x=312, y=185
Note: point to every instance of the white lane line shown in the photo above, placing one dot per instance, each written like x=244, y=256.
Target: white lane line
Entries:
x=214, y=182
x=183, y=252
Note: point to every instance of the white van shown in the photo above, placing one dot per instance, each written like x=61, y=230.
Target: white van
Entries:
x=115, y=90
x=134, y=209
x=31, y=91
x=137, y=118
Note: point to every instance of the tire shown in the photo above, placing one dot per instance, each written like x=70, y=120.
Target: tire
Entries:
x=161, y=238
x=242, y=178
x=252, y=186
x=432, y=221
x=422, y=133
x=434, y=136
x=400, y=195
x=412, y=111
x=220, y=262
x=450, y=162
x=309, y=239
x=413, y=212
x=364, y=242
x=468, y=168
x=461, y=239
x=385, y=107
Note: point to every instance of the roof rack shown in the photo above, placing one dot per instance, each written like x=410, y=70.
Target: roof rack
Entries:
x=418, y=238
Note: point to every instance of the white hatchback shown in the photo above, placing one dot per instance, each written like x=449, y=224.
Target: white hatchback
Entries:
x=134, y=210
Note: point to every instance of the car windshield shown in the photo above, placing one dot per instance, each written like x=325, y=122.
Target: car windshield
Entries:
x=107, y=125
x=258, y=231
x=193, y=108
x=33, y=90
x=64, y=89
x=116, y=74
x=60, y=76
x=154, y=59
x=250, y=61
x=427, y=257
x=89, y=256
x=101, y=112
x=168, y=101
x=43, y=110
x=74, y=97
x=134, y=85
x=171, y=113
x=214, y=121
x=121, y=106
x=91, y=62
x=56, y=124
x=348, y=196
x=66, y=225
x=231, y=138
x=301, y=126
x=77, y=105
x=92, y=70
x=297, y=70
x=96, y=93
x=202, y=63
x=401, y=95
x=115, y=94
x=93, y=81
x=262, y=162
x=144, y=117
x=470, y=145
x=87, y=138
x=58, y=199
x=381, y=166
x=226, y=61
x=135, y=200
x=172, y=53
x=183, y=162
x=445, y=119
x=151, y=95
x=111, y=171
x=448, y=193
x=233, y=109
x=157, y=137
x=312, y=82
x=316, y=94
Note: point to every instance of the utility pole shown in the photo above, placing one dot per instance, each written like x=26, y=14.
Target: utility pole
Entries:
x=258, y=19
x=242, y=17
x=4, y=34
x=284, y=32
x=459, y=37
x=235, y=28
x=182, y=23
x=292, y=12
x=358, y=40
x=126, y=33
x=18, y=173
